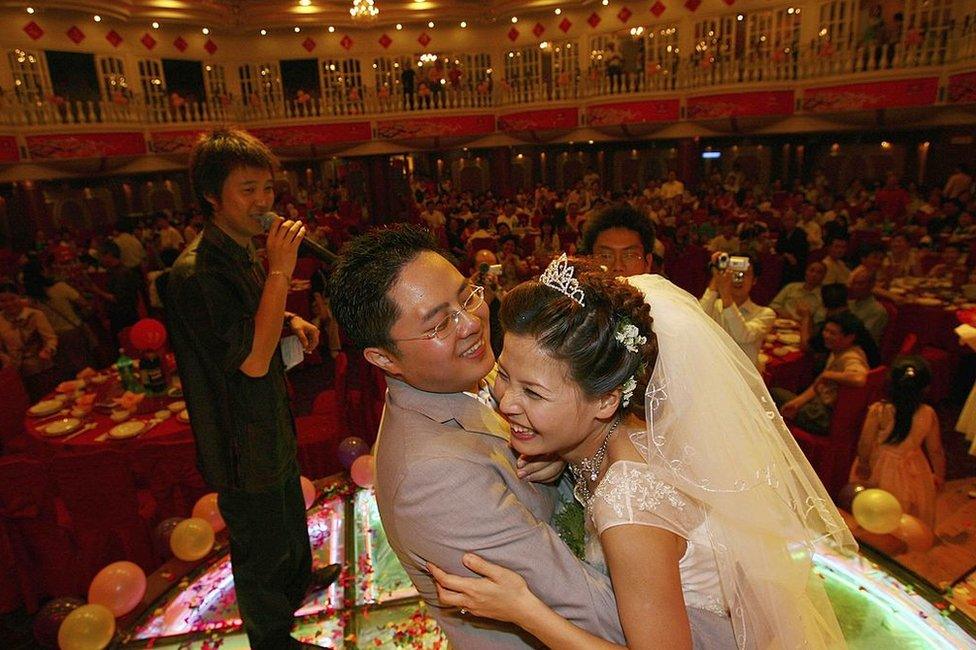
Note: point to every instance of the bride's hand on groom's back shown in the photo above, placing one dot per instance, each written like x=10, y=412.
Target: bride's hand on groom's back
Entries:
x=540, y=469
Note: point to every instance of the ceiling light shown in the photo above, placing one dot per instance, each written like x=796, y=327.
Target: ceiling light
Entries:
x=297, y=29
x=514, y=19
x=205, y=31
x=97, y=18
x=155, y=25
x=463, y=24
x=331, y=29
x=305, y=3
x=557, y=11
x=264, y=32
x=431, y=24
x=364, y=10
x=30, y=10
x=605, y=2
x=399, y=26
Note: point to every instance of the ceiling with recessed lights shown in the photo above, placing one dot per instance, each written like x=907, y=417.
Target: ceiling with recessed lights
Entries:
x=243, y=15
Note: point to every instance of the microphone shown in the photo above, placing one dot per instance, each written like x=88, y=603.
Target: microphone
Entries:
x=306, y=246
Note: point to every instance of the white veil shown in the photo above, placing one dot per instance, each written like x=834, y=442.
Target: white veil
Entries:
x=714, y=430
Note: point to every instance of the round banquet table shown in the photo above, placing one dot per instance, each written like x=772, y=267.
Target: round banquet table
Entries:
x=783, y=363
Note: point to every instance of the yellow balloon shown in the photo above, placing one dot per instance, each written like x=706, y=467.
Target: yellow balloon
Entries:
x=877, y=511
x=90, y=627
x=192, y=539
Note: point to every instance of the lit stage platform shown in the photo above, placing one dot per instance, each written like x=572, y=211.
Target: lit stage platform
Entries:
x=375, y=606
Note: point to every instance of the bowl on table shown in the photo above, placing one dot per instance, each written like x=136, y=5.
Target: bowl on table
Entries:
x=119, y=415
x=46, y=407
x=60, y=427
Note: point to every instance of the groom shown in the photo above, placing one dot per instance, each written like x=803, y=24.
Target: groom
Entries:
x=446, y=479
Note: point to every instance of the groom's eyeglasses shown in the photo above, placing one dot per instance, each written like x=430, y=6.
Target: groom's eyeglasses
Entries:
x=446, y=326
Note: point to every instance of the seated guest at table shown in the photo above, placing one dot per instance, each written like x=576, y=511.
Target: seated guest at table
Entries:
x=834, y=301
x=60, y=303
x=787, y=302
x=547, y=243
x=621, y=239
x=872, y=258
x=27, y=342
x=890, y=453
x=727, y=301
x=847, y=365
x=794, y=247
x=121, y=292
x=837, y=269
x=514, y=268
x=965, y=231
x=902, y=260
x=863, y=304
x=835, y=228
x=953, y=259
x=726, y=239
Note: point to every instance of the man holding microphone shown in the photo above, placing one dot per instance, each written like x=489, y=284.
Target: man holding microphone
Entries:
x=225, y=317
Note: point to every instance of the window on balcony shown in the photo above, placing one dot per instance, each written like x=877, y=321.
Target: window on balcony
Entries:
x=152, y=83
x=837, y=23
x=115, y=87
x=771, y=41
x=544, y=72
x=634, y=60
x=31, y=83
x=215, y=79
x=342, y=86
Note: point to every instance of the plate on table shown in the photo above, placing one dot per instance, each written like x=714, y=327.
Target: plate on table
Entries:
x=782, y=351
x=790, y=338
x=70, y=386
x=46, y=407
x=928, y=302
x=60, y=427
x=176, y=407
x=128, y=429
x=184, y=416
x=785, y=323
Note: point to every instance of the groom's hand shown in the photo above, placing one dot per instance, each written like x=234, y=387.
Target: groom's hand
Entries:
x=540, y=469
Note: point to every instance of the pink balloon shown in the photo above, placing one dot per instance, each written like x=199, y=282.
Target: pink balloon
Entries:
x=308, y=491
x=120, y=586
x=206, y=508
x=363, y=471
x=915, y=533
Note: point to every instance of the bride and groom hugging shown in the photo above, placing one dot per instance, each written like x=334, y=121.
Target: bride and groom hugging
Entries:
x=698, y=503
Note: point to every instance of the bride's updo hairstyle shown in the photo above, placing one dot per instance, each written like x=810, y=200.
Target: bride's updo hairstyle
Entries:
x=585, y=336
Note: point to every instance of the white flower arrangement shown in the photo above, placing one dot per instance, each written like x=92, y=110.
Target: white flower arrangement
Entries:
x=628, y=390
x=630, y=336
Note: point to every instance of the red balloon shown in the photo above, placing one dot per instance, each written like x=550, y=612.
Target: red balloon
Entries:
x=147, y=334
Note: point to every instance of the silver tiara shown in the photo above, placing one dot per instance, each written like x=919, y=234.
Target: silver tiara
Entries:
x=559, y=276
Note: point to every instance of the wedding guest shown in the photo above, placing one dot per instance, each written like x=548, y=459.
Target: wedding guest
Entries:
x=900, y=449
x=837, y=269
x=621, y=239
x=728, y=302
x=788, y=301
x=864, y=305
x=27, y=342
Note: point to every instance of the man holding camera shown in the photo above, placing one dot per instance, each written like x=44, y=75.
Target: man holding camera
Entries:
x=727, y=301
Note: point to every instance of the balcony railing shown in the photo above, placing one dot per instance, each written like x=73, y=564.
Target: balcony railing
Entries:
x=706, y=69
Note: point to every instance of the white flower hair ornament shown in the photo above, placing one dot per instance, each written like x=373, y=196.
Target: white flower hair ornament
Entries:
x=628, y=391
x=628, y=334
x=559, y=276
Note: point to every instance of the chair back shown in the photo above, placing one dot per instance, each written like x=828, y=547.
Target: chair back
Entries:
x=770, y=281
x=14, y=403
x=95, y=486
x=168, y=466
x=845, y=425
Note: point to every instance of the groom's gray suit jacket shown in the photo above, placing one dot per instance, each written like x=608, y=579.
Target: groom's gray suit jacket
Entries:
x=446, y=485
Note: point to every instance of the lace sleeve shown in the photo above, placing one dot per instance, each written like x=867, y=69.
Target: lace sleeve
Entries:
x=631, y=493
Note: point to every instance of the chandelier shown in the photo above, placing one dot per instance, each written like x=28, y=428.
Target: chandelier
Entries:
x=363, y=10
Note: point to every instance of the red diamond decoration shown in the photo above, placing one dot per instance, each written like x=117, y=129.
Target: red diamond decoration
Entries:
x=658, y=8
x=33, y=30
x=565, y=24
x=624, y=14
x=308, y=44
x=113, y=38
x=729, y=2
x=538, y=29
x=424, y=39
x=75, y=34
x=593, y=20
x=180, y=44
x=210, y=46
x=385, y=41
x=513, y=34
x=692, y=5
x=148, y=41
x=346, y=42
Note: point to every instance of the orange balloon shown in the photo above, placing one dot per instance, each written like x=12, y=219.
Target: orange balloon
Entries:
x=308, y=491
x=192, y=539
x=915, y=533
x=120, y=586
x=90, y=627
x=206, y=508
x=363, y=470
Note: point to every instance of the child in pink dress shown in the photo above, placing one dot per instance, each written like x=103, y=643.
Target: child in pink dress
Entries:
x=890, y=453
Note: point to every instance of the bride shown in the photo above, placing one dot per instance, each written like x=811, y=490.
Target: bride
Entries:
x=697, y=499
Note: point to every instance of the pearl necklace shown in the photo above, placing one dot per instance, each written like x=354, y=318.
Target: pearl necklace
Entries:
x=591, y=466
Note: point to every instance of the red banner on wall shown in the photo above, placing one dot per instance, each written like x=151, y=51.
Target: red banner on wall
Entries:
x=870, y=96
x=311, y=134
x=9, y=151
x=541, y=120
x=775, y=102
x=434, y=127
x=652, y=110
x=962, y=88
x=174, y=141
x=87, y=145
